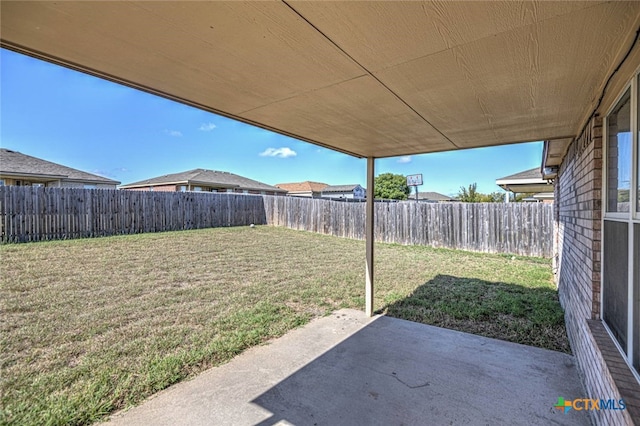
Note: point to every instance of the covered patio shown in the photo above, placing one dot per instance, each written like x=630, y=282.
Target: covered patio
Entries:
x=350, y=369
x=373, y=80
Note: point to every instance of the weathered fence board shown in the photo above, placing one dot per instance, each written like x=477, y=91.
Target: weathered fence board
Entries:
x=36, y=214
x=517, y=228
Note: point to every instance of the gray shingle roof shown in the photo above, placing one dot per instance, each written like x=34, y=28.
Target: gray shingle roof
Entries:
x=205, y=177
x=527, y=174
x=339, y=188
x=434, y=196
x=13, y=162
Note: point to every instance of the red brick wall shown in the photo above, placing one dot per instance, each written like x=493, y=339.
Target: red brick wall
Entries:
x=578, y=214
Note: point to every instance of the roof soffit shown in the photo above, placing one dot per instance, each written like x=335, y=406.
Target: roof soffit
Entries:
x=371, y=79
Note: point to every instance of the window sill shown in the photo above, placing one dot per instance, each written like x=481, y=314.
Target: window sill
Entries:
x=624, y=379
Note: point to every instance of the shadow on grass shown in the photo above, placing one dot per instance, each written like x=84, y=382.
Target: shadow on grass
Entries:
x=511, y=312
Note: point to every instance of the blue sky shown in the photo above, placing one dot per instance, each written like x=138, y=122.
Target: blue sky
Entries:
x=100, y=127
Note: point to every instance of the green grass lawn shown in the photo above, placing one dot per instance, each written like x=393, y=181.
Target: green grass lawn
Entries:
x=92, y=326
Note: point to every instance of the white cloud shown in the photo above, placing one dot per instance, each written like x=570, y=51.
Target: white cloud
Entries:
x=207, y=127
x=405, y=159
x=283, y=152
x=174, y=133
x=113, y=173
x=101, y=172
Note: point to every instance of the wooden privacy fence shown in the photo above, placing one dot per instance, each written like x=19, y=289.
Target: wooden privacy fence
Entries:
x=30, y=213
x=520, y=228
x=36, y=214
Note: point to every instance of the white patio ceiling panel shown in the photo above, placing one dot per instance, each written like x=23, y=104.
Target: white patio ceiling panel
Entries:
x=371, y=79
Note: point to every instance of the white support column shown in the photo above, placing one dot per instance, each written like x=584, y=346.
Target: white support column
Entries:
x=369, y=212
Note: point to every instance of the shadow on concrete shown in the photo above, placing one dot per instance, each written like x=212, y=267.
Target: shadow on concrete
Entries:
x=396, y=372
x=507, y=311
x=348, y=369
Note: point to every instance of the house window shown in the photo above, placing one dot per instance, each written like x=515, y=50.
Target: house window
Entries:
x=1, y=182
x=88, y=186
x=619, y=155
x=621, y=225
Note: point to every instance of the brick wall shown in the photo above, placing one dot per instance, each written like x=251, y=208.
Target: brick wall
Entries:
x=67, y=184
x=164, y=188
x=578, y=240
x=172, y=188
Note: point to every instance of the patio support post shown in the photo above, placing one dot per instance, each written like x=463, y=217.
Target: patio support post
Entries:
x=369, y=214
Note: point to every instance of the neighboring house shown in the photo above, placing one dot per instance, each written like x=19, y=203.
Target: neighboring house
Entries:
x=544, y=197
x=433, y=197
x=201, y=180
x=528, y=181
x=303, y=189
x=355, y=192
x=24, y=170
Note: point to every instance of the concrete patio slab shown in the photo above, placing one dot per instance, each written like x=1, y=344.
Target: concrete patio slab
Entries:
x=347, y=369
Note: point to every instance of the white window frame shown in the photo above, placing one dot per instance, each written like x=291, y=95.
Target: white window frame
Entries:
x=631, y=217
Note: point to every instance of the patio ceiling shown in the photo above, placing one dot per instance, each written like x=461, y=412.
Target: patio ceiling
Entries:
x=369, y=79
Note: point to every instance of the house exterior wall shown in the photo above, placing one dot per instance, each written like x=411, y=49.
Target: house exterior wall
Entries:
x=305, y=194
x=24, y=181
x=337, y=195
x=67, y=184
x=55, y=184
x=164, y=188
x=578, y=216
x=174, y=188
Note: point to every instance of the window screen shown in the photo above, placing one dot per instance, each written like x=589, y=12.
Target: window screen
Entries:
x=636, y=297
x=615, y=286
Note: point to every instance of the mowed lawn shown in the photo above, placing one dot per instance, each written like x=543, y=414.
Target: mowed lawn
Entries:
x=95, y=325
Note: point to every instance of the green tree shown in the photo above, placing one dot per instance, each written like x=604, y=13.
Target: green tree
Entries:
x=471, y=195
x=391, y=186
x=494, y=197
x=522, y=195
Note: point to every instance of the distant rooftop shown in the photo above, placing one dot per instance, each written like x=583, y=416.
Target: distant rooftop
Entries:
x=434, y=196
x=16, y=163
x=340, y=188
x=306, y=186
x=205, y=177
x=526, y=181
x=527, y=174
